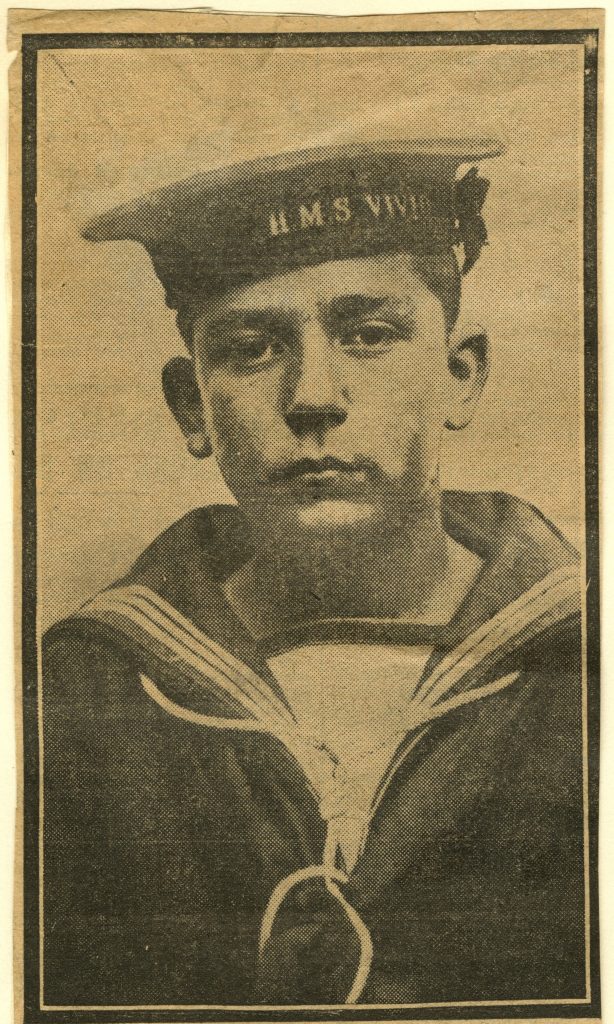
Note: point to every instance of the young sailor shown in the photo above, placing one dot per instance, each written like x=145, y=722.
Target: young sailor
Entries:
x=325, y=746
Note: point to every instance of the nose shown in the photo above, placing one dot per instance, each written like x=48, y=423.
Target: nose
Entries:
x=318, y=402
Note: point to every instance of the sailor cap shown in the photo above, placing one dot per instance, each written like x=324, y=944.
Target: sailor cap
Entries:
x=232, y=226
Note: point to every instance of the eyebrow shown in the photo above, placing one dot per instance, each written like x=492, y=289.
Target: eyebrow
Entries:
x=341, y=307
x=353, y=305
x=254, y=317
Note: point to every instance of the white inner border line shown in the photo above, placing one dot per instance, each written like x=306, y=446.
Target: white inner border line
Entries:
x=328, y=1006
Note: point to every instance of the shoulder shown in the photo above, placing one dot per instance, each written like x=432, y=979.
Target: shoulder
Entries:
x=182, y=566
x=85, y=664
x=204, y=546
x=495, y=518
x=530, y=587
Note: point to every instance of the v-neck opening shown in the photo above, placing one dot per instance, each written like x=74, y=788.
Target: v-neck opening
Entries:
x=216, y=544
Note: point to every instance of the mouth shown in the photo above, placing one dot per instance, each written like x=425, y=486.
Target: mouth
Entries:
x=327, y=477
x=319, y=470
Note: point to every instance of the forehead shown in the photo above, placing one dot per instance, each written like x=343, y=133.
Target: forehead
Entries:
x=388, y=277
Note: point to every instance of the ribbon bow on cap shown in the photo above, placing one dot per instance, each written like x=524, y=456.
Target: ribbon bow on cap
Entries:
x=470, y=193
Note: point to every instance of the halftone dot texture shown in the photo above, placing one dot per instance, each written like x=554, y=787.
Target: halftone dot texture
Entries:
x=113, y=469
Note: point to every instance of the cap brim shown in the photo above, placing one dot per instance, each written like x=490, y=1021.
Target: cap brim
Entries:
x=143, y=218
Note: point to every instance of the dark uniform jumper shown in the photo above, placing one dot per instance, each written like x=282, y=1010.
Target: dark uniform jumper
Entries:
x=191, y=845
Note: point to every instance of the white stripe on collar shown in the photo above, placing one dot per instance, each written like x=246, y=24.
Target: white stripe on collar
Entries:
x=145, y=616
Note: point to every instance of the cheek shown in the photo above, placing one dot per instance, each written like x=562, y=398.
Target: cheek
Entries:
x=399, y=410
x=407, y=389
x=242, y=418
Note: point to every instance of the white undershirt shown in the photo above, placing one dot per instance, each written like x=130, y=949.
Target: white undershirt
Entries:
x=353, y=698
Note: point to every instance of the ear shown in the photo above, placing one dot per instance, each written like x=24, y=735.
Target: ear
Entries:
x=183, y=399
x=469, y=365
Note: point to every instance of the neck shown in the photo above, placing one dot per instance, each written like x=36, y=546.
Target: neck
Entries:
x=360, y=575
x=401, y=571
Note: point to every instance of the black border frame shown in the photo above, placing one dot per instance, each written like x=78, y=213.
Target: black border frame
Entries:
x=31, y=44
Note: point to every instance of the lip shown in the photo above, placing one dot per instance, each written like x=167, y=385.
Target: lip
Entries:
x=332, y=474
x=320, y=471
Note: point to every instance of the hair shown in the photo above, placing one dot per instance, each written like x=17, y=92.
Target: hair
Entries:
x=440, y=272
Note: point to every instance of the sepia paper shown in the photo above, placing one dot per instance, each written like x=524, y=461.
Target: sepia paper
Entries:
x=308, y=352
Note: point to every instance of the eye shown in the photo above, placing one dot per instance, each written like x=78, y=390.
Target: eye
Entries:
x=251, y=349
x=372, y=337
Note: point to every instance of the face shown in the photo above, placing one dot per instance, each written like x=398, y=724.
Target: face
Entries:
x=325, y=392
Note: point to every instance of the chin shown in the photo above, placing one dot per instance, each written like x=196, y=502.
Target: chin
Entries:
x=336, y=516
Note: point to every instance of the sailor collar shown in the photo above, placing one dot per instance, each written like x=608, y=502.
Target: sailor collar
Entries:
x=219, y=678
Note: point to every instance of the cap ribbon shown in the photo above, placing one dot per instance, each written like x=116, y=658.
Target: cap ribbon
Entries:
x=470, y=193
